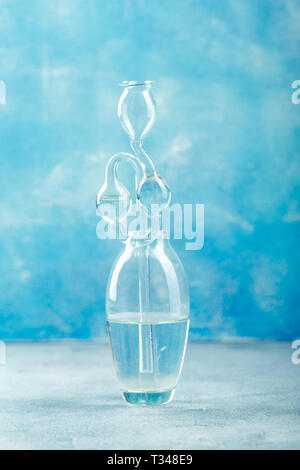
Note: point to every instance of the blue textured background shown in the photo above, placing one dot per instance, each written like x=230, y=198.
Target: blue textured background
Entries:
x=226, y=135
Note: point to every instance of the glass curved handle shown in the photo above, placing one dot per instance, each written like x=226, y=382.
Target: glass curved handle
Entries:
x=113, y=201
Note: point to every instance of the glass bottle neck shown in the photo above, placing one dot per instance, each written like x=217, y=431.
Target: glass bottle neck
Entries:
x=144, y=158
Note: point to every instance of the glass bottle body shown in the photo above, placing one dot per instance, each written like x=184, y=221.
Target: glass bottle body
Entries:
x=148, y=318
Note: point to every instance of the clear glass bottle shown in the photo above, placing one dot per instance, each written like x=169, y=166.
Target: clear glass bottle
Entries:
x=147, y=307
x=147, y=301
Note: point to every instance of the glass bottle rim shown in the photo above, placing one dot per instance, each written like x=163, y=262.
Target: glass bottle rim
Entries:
x=133, y=83
x=146, y=236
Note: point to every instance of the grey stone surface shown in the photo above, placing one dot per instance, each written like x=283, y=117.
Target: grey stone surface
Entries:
x=231, y=396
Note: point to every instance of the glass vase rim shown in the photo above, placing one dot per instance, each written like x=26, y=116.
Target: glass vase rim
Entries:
x=145, y=236
x=134, y=83
x=141, y=234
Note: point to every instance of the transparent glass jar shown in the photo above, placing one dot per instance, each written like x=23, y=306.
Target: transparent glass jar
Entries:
x=147, y=306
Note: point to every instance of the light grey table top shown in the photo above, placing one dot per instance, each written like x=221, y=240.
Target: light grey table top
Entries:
x=65, y=395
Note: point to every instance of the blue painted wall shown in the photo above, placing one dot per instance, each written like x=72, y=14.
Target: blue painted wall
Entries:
x=226, y=135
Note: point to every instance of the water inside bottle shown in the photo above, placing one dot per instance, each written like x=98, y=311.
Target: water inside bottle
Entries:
x=148, y=355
